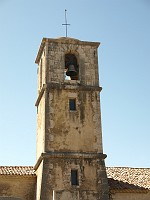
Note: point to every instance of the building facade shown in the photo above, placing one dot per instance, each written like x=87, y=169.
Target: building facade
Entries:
x=69, y=156
x=70, y=160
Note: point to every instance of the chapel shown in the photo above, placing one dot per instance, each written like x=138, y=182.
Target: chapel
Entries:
x=70, y=162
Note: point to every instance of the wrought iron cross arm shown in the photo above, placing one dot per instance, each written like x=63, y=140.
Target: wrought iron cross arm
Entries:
x=66, y=24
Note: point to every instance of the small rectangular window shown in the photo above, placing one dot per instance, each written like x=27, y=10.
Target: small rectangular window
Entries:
x=74, y=177
x=72, y=104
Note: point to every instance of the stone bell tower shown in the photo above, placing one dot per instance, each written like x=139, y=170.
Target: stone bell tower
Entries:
x=70, y=160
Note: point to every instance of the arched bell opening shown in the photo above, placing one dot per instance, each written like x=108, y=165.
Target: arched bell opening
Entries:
x=71, y=67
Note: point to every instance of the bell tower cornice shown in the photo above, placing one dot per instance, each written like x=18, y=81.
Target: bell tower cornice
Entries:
x=62, y=40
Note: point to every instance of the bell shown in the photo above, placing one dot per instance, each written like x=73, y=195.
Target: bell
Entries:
x=71, y=71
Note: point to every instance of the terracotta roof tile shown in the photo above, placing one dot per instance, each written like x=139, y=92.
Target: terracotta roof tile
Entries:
x=128, y=178
x=124, y=186
x=119, y=178
x=17, y=170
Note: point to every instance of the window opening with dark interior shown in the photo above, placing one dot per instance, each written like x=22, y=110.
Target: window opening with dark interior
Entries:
x=72, y=104
x=74, y=177
x=71, y=67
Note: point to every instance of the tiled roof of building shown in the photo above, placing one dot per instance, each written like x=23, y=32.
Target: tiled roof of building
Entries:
x=126, y=178
x=17, y=170
x=119, y=178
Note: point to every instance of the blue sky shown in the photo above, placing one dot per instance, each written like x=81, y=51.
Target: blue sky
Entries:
x=123, y=28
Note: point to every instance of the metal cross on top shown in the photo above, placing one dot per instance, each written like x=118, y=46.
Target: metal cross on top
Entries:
x=66, y=21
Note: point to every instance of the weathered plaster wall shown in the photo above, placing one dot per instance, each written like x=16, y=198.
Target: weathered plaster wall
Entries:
x=86, y=54
x=39, y=173
x=41, y=71
x=64, y=130
x=17, y=187
x=131, y=196
x=9, y=198
x=57, y=177
x=40, y=137
x=77, y=130
x=69, y=139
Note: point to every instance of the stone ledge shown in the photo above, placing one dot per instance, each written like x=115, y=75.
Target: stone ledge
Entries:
x=73, y=86
x=68, y=155
x=40, y=95
x=66, y=86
